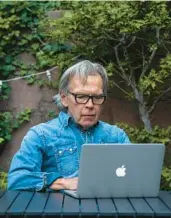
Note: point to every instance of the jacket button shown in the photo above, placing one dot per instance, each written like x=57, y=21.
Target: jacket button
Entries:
x=60, y=152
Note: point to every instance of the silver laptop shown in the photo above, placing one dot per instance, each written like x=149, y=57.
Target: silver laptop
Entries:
x=119, y=170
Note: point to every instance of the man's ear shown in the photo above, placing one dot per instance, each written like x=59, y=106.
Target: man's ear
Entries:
x=64, y=99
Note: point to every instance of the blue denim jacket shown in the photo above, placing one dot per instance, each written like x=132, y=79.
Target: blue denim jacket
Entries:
x=52, y=150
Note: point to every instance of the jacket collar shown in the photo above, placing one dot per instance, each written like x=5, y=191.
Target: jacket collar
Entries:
x=64, y=118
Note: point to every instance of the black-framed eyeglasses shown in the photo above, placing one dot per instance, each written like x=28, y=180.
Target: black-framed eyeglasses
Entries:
x=83, y=99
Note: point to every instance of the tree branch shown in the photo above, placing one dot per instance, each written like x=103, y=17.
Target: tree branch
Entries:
x=126, y=55
x=125, y=92
x=157, y=99
x=137, y=67
x=132, y=41
x=118, y=62
x=146, y=66
x=102, y=60
x=158, y=35
x=110, y=37
x=143, y=57
x=166, y=48
x=120, y=74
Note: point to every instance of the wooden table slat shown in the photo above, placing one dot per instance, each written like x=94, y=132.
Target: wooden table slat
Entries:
x=123, y=206
x=106, y=207
x=158, y=206
x=70, y=206
x=88, y=207
x=37, y=204
x=141, y=207
x=166, y=198
x=6, y=200
x=20, y=204
x=1, y=193
x=54, y=204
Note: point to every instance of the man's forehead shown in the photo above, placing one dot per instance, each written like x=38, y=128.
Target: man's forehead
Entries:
x=84, y=79
x=91, y=84
x=78, y=78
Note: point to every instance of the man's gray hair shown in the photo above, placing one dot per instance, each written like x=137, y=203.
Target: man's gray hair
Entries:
x=82, y=69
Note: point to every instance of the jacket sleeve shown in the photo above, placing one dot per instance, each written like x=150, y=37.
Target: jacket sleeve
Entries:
x=123, y=137
x=25, y=170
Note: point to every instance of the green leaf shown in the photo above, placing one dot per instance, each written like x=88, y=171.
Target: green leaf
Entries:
x=35, y=46
x=8, y=137
x=1, y=140
x=41, y=82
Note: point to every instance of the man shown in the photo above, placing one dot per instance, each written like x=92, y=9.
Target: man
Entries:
x=50, y=152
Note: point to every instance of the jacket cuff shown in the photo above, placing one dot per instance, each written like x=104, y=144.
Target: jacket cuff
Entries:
x=48, y=179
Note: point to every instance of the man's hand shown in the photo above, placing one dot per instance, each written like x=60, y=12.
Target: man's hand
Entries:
x=65, y=183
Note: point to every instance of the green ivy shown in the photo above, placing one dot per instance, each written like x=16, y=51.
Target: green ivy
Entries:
x=19, y=33
x=5, y=91
x=52, y=114
x=8, y=123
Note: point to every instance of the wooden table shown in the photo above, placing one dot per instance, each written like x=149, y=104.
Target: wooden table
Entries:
x=54, y=204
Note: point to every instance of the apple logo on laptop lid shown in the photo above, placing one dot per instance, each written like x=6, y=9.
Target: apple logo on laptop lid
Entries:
x=120, y=171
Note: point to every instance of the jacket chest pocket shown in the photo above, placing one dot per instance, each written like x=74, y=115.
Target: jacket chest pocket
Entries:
x=67, y=159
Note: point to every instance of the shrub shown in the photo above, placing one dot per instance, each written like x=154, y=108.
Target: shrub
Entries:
x=140, y=135
x=3, y=180
x=166, y=179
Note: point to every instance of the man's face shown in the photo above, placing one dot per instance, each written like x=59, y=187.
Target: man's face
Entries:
x=84, y=114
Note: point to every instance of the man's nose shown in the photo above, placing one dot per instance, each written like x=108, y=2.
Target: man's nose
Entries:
x=90, y=103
